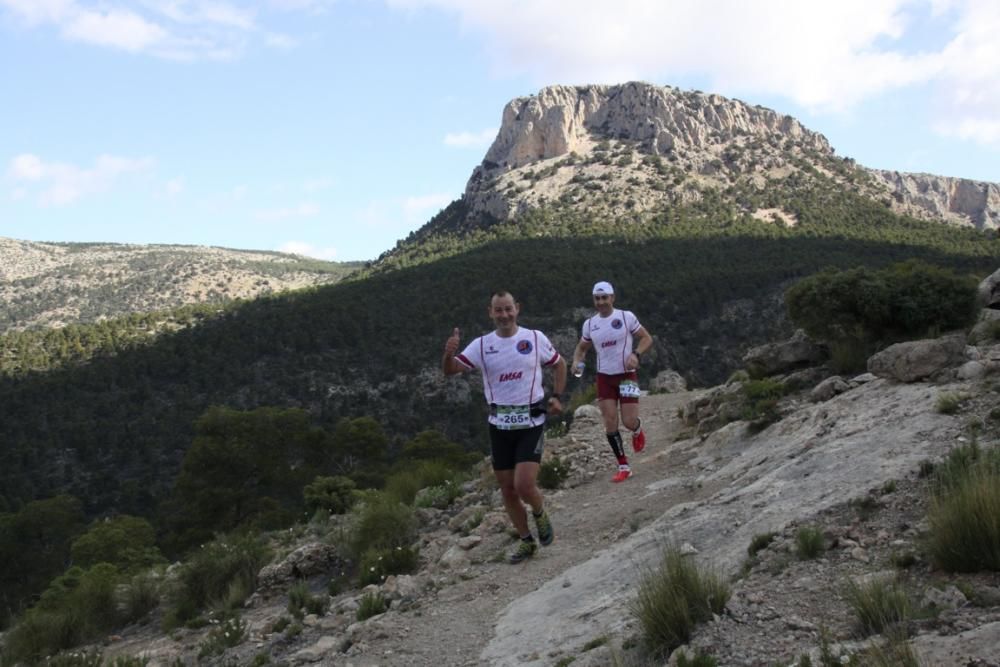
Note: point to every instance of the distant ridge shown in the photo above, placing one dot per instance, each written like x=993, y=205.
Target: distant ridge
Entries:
x=53, y=284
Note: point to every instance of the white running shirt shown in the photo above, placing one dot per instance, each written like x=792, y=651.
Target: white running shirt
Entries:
x=511, y=367
x=611, y=337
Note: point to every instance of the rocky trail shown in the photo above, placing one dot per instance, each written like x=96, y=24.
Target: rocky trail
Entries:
x=848, y=466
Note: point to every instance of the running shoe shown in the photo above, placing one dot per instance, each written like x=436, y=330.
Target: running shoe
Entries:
x=624, y=472
x=525, y=549
x=638, y=441
x=544, y=526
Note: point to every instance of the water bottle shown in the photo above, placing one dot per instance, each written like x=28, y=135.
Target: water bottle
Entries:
x=578, y=369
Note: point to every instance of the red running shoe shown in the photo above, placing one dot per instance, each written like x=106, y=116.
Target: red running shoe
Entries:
x=624, y=472
x=638, y=441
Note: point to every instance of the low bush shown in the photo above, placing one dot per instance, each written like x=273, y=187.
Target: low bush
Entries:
x=334, y=495
x=809, y=543
x=227, y=634
x=673, y=599
x=760, y=542
x=219, y=575
x=301, y=601
x=404, y=485
x=382, y=523
x=377, y=564
x=878, y=605
x=552, y=473
x=78, y=606
x=964, y=520
x=371, y=604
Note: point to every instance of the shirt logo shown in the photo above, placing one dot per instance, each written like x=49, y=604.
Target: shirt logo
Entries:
x=609, y=343
x=506, y=377
x=616, y=323
x=492, y=350
x=524, y=347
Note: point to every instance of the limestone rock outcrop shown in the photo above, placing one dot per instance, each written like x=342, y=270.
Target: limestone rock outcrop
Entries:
x=957, y=200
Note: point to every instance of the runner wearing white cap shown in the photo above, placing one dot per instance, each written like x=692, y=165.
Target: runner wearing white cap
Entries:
x=619, y=341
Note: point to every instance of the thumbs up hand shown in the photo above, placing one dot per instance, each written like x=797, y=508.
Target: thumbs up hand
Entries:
x=451, y=345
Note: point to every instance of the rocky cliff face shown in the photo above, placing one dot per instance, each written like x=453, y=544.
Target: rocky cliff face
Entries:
x=628, y=148
x=955, y=200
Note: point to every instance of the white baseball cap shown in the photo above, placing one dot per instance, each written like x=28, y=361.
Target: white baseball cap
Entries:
x=603, y=287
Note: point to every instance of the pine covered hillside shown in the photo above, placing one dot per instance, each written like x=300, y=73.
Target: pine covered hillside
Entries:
x=54, y=284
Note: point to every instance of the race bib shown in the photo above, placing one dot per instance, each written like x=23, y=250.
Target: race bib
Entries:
x=510, y=417
x=629, y=389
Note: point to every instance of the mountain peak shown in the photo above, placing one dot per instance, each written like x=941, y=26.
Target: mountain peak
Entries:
x=625, y=149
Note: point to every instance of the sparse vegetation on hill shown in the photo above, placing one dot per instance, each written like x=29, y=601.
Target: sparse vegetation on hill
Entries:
x=57, y=284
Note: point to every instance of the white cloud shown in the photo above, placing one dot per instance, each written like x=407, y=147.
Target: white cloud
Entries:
x=471, y=139
x=318, y=184
x=174, y=187
x=280, y=41
x=184, y=30
x=303, y=210
x=418, y=209
x=60, y=183
x=312, y=6
x=120, y=29
x=968, y=90
x=826, y=56
x=307, y=250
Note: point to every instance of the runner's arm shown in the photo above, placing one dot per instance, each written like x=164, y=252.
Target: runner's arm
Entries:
x=558, y=386
x=581, y=350
x=642, y=341
x=449, y=364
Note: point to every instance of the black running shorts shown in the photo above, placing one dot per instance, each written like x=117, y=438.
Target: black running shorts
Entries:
x=508, y=448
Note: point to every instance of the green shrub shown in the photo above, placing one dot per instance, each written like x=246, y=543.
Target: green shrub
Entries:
x=964, y=520
x=127, y=542
x=877, y=605
x=552, y=473
x=439, y=496
x=382, y=523
x=961, y=462
x=221, y=574
x=699, y=660
x=762, y=398
x=371, y=604
x=948, y=403
x=334, y=495
x=76, y=607
x=229, y=633
x=907, y=300
x=894, y=652
x=377, y=564
x=128, y=661
x=673, y=599
x=759, y=542
x=82, y=659
x=301, y=601
x=809, y=542
x=866, y=506
x=404, y=485
x=142, y=595
x=432, y=445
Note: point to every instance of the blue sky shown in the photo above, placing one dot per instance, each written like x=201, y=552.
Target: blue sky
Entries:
x=333, y=128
